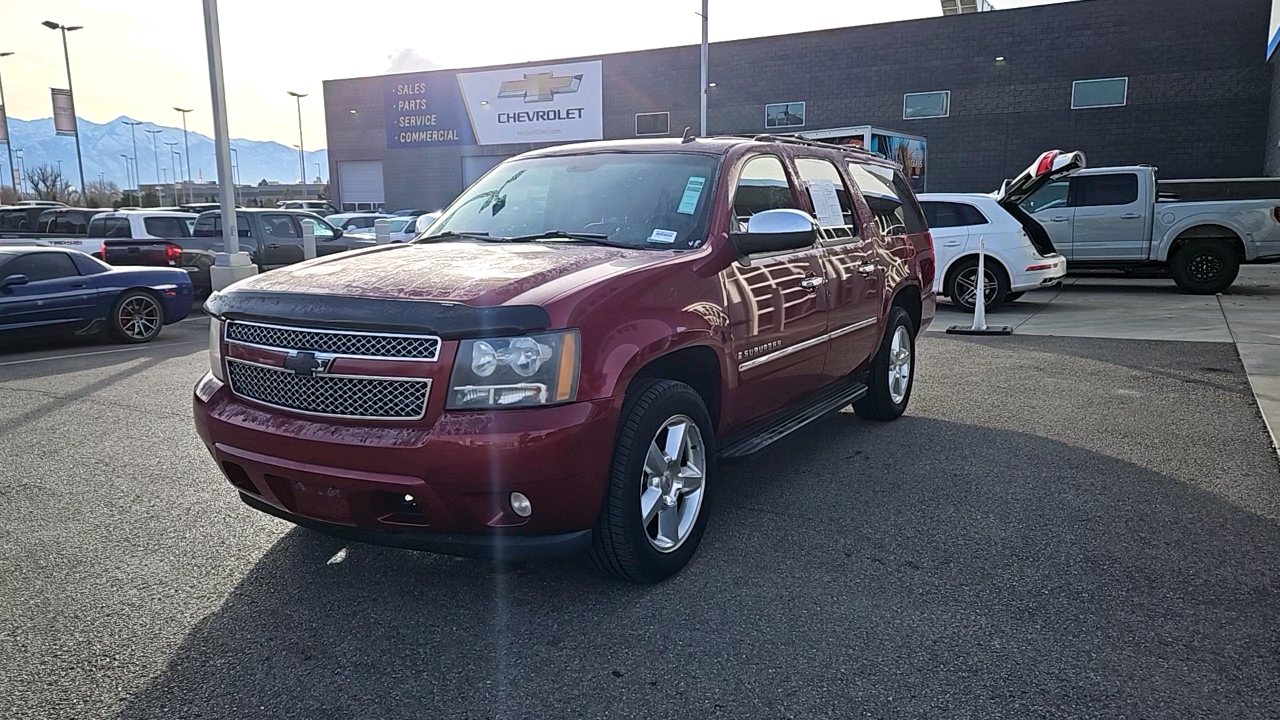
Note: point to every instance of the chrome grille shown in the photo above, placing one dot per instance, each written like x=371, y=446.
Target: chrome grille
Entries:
x=334, y=395
x=356, y=344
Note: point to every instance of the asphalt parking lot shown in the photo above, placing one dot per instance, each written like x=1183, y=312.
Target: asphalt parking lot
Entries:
x=1059, y=527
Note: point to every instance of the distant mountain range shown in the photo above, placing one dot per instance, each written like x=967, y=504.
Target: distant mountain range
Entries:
x=102, y=146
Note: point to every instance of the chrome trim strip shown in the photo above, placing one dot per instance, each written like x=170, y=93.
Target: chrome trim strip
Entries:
x=805, y=345
x=433, y=358
x=397, y=418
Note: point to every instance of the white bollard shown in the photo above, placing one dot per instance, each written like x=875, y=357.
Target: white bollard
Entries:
x=980, y=302
x=308, y=240
x=382, y=230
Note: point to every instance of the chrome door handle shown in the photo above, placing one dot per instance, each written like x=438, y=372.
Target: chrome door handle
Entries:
x=868, y=269
x=1130, y=216
x=811, y=283
x=953, y=243
x=1059, y=219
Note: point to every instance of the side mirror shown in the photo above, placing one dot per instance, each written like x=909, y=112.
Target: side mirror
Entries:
x=13, y=280
x=775, y=231
x=337, y=233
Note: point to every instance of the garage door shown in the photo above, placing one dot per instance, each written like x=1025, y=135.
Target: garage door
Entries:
x=361, y=185
x=475, y=166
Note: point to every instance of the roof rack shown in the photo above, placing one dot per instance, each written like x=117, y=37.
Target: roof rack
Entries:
x=794, y=140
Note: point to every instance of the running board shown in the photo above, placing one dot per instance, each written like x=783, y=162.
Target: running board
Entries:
x=762, y=434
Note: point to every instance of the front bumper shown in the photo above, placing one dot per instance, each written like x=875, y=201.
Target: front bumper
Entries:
x=443, y=486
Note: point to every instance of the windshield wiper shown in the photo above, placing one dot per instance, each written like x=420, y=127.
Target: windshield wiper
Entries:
x=453, y=235
x=597, y=238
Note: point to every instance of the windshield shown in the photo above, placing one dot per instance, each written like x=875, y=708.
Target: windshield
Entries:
x=656, y=200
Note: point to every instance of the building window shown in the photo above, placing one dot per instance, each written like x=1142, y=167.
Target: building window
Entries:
x=926, y=105
x=784, y=115
x=1111, y=92
x=655, y=123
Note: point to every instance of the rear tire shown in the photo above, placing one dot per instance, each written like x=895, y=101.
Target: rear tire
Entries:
x=136, y=317
x=962, y=279
x=665, y=447
x=890, y=382
x=1013, y=296
x=1205, y=267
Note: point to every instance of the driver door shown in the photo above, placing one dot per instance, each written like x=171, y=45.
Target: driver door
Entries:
x=777, y=305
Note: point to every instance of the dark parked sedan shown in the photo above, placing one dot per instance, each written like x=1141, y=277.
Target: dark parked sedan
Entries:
x=51, y=292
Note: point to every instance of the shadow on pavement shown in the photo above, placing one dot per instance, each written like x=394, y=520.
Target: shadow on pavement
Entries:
x=919, y=568
x=57, y=402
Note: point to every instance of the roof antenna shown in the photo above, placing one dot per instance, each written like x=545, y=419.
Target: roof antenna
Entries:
x=688, y=136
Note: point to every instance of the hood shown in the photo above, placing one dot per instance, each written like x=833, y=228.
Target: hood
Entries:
x=472, y=273
x=1049, y=167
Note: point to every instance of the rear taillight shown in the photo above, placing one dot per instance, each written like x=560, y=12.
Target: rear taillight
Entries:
x=1033, y=268
x=172, y=252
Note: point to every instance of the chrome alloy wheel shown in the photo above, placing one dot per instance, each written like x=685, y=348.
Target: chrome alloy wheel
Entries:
x=671, y=486
x=139, y=317
x=967, y=284
x=899, y=364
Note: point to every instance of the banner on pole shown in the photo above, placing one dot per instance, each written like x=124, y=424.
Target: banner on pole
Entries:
x=64, y=118
x=4, y=126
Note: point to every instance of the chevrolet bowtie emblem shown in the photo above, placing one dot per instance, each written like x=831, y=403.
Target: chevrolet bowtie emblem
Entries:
x=540, y=87
x=307, y=364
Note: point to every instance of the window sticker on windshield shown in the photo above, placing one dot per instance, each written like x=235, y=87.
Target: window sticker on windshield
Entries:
x=692, y=191
x=663, y=236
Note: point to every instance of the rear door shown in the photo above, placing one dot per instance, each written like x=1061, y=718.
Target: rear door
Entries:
x=777, y=305
x=1108, y=222
x=281, y=240
x=55, y=298
x=852, y=282
x=949, y=225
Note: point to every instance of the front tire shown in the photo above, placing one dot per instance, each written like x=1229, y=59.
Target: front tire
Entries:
x=962, y=285
x=655, y=505
x=136, y=317
x=893, y=372
x=1205, y=267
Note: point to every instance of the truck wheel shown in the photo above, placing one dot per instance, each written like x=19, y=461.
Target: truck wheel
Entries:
x=1013, y=296
x=655, y=505
x=136, y=317
x=893, y=371
x=962, y=285
x=1205, y=267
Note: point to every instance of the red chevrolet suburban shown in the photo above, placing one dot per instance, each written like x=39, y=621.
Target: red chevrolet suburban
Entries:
x=559, y=361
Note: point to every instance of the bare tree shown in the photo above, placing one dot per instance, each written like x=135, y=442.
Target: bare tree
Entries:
x=102, y=193
x=48, y=184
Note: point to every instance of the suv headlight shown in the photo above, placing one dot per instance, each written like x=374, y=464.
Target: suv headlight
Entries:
x=524, y=371
x=215, y=347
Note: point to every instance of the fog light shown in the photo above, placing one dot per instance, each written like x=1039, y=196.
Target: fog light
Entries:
x=521, y=505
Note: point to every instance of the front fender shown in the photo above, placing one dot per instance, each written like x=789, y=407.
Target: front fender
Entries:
x=636, y=344
x=1160, y=252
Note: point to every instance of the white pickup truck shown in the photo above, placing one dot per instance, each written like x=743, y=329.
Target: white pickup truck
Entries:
x=1198, y=230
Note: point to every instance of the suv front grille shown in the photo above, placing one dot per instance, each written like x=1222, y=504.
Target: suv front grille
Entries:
x=335, y=395
x=356, y=344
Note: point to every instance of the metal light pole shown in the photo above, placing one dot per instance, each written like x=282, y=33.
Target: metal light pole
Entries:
x=133, y=131
x=155, y=154
x=8, y=139
x=235, y=174
x=22, y=174
x=174, y=173
x=71, y=93
x=702, y=92
x=302, y=150
x=185, y=139
x=318, y=175
x=128, y=179
x=231, y=265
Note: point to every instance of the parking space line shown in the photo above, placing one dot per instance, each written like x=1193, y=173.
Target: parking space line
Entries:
x=102, y=352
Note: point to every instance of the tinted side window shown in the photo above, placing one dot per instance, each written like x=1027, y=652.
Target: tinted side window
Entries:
x=166, y=227
x=1053, y=195
x=114, y=227
x=42, y=266
x=1095, y=190
x=278, y=226
x=951, y=214
x=14, y=220
x=877, y=186
x=817, y=174
x=88, y=265
x=320, y=229
x=913, y=217
x=761, y=186
x=211, y=226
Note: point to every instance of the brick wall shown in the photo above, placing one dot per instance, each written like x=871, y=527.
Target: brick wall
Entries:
x=1200, y=93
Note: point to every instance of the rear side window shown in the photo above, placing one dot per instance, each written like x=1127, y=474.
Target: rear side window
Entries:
x=952, y=214
x=15, y=220
x=278, y=226
x=88, y=265
x=761, y=186
x=166, y=227
x=1053, y=195
x=890, y=199
x=822, y=178
x=42, y=266
x=211, y=226
x=1096, y=190
x=110, y=227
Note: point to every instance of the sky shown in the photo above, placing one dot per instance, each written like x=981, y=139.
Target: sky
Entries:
x=141, y=58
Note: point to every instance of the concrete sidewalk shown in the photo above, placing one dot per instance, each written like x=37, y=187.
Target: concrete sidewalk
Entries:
x=1248, y=314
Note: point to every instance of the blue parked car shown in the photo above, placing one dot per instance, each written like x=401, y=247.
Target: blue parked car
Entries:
x=50, y=292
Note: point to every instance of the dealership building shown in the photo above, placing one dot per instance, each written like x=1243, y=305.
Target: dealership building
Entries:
x=970, y=99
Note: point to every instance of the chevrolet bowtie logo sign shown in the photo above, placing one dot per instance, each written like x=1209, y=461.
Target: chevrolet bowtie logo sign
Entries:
x=540, y=87
x=307, y=364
